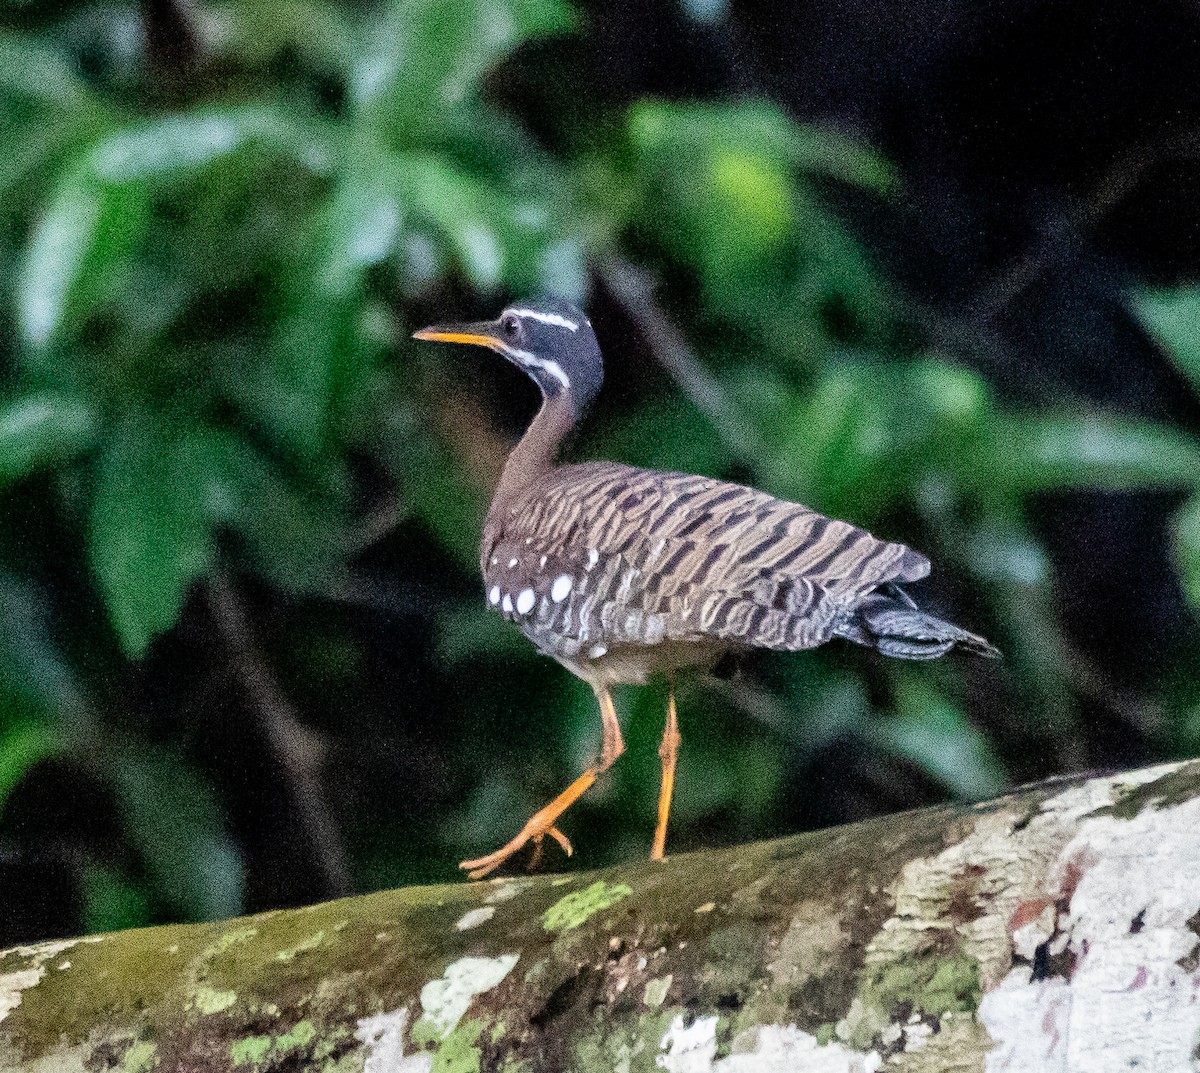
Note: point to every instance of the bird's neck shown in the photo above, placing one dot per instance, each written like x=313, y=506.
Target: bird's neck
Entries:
x=535, y=455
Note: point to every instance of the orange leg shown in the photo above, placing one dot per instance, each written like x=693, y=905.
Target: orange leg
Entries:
x=668, y=750
x=542, y=822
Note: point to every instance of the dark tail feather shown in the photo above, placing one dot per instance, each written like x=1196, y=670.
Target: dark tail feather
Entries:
x=892, y=623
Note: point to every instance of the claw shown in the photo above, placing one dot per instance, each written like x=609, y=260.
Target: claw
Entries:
x=561, y=839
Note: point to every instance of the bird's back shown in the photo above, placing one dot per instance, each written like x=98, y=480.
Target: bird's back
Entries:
x=599, y=555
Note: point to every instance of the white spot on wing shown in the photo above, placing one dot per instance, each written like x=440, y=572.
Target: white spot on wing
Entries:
x=525, y=601
x=547, y=318
x=512, y=563
x=507, y=605
x=593, y=558
x=494, y=595
x=561, y=588
x=596, y=651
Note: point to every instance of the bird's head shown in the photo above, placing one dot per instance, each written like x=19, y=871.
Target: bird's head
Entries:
x=548, y=338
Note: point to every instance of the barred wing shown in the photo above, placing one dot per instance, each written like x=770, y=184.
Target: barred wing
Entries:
x=602, y=554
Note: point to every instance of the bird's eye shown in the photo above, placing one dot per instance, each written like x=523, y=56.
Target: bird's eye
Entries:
x=511, y=326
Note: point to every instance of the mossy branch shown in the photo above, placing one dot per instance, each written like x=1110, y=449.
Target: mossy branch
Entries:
x=1054, y=929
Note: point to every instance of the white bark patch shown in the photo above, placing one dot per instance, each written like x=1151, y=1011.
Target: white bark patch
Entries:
x=474, y=917
x=383, y=1038
x=764, y=1049
x=1128, y=1003
x=445, y=1001
x=14, y=982
x=505, y=889
x=776, y=1049
x=810, y=946
x=689, y=1048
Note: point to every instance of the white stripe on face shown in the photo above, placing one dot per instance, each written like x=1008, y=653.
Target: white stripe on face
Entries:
x=531, y=361
x=546, y=318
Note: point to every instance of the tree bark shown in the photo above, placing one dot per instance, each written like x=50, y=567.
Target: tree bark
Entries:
x=1053, y=929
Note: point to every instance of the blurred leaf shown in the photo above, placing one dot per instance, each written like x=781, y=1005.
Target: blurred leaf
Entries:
x=762, y=129
x=705, y=12
x=87, y=230
x=725, y=189
x=1172, y=317
x=163, y=487
x=41, y=430
x=258, y=31
x=178, y=145
x=436, y=493
x=727, y=203
x=934, y=734
x=151, y=531
x=638, y=441
x=296, y=537
x=29, y=70
x=172, y=817
x=1187, y=549
x=1001, y=551
x=1040, y=452
x=464, y=209
x=432, y=55
x=23, y=744
x=111, y=900
x=37, y=681
x=44, y=110
x=323, y=353
x=102, y=205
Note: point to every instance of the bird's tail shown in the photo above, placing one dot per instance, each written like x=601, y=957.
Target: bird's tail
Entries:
x=889, y=621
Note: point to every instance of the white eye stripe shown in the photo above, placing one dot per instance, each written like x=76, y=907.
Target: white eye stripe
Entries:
x=546, y=318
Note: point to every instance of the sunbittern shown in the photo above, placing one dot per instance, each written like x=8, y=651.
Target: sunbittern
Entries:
x=620, y=573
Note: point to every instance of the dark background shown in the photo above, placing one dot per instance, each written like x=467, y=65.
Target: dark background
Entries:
x=926, y=268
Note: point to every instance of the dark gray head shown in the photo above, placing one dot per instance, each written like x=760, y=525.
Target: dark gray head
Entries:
x=548, y=338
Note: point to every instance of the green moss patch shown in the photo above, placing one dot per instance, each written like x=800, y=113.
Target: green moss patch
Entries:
x=928, y=983
x=1174, y=788
x=580, y=906
x=257, y=1049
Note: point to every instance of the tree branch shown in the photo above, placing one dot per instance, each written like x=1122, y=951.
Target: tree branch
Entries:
x=1055, y=929
x=300, y=752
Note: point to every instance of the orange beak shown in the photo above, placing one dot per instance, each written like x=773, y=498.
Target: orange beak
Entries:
x=479, y=333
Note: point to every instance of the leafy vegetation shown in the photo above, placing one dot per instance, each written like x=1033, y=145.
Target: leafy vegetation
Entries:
x=212, y=265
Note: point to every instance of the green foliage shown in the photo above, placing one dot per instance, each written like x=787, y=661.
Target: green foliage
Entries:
x=204, y=366
x=935, y=734
x=1173, y=318
x=39, y=430
x=175, y=824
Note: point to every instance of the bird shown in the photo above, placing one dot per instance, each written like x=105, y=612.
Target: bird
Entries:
x=621, y=573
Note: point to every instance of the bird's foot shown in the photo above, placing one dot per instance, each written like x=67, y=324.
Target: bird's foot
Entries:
x=482, y=866
x=541, y=823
